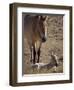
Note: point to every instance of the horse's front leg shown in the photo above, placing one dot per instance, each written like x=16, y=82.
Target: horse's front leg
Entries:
x=38, y=53
x=34, y=55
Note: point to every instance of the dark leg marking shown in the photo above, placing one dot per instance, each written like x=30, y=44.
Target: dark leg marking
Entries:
x=38, y=53
x=31, y=56
x=34, y=55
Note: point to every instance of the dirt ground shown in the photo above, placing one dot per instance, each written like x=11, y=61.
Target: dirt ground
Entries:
x=54, y=43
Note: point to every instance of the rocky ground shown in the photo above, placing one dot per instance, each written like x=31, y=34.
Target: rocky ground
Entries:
x=54, y=43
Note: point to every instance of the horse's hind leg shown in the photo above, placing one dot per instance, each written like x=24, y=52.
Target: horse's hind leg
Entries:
x=31, y=49
x=38, y=55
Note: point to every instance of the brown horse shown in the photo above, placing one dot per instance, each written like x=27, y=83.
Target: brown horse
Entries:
x=35, y=33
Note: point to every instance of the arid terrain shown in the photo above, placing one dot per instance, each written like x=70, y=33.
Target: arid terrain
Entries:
x=54, y=43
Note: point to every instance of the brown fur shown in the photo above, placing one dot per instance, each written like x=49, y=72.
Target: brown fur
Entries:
x=34, y=32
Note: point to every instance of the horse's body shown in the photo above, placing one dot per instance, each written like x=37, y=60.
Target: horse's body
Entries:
x=34, y=30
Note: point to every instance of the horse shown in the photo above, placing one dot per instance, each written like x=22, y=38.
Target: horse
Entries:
x=35, y=34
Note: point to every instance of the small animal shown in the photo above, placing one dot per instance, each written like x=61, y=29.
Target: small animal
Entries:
x=53, y=63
